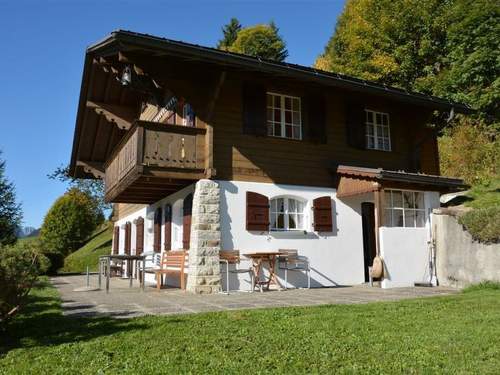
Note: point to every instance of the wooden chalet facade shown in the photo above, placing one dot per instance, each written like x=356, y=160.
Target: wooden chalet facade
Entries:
x=300, y=155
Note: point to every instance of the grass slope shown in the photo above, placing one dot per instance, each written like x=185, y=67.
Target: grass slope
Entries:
x=98, y=244
x=453, y=334
x=485, y=196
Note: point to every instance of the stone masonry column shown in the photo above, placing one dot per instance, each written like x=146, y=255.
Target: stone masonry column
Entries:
x=204, y=268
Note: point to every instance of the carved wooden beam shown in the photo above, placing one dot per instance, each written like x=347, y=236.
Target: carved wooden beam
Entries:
x=120, y=115
x=94, y=168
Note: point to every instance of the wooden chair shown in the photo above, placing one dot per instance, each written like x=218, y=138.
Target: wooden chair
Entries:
x=292, y=261
x=172, y=262
x=228, y=257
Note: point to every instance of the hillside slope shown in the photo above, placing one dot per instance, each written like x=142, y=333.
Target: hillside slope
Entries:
x=88, y=255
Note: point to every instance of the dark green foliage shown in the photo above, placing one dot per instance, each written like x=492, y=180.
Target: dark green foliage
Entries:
x=447, y=48
x=230, y=33
x=20, y=265
x=69, y=222
x=94, y=188
x=483, y=223
x=453, y=334
x=260, y=40
x=10, y=210
x=98, y=244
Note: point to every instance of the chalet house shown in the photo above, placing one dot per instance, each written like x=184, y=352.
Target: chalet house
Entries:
x=207, y=150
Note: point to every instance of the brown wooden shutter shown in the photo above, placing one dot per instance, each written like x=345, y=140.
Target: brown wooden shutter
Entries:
x=128, y=237
x=186, y=221
x=157, y=231
x=315, y=107
x=139, y=236
x=257, y=212
x=254, y=109
x=116, y=240
x=322, y=208
x=168, y=227
x=355, y=124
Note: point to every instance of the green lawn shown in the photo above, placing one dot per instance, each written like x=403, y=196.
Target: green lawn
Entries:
x=453, y=334
x=485, y=196
x=98, y=244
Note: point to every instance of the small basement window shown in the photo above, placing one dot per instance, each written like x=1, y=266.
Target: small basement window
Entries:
x=404, y=208
x=378, y=135
x=287, y=214
x=283, y=116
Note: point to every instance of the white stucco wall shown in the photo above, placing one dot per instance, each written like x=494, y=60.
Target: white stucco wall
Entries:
x=336, y=258
x=406, y=251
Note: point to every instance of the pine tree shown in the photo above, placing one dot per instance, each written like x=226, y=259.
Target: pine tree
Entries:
x=230, y=33
x=10, y=210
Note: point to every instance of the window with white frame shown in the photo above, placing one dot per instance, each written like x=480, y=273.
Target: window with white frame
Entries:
x=378, y=135
x=287, y=214
x=283, y=116
x=404, y=208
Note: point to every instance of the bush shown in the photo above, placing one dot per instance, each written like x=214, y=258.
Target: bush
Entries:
x=69, y=222
x=470, y=151
x=20, y=265
x=483, y=224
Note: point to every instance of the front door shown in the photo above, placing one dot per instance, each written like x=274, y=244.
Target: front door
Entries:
x=369, y=247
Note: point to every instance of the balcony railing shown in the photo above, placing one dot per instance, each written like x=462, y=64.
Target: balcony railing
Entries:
x=158, y=151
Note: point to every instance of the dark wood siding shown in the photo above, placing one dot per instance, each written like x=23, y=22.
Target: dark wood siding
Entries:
x=168, y=228
x=128, y=237
x=322, y=212
x=157, y=231
x=257, y=213
x=139, y=236
x=245, y=157
x=187, y=209
x=116, y=240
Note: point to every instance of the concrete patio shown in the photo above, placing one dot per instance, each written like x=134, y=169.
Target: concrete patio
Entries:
x=125, y=302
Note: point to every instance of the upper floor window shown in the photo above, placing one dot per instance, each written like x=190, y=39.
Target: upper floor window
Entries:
x=283, y=116
x=287, y=214
x=377, y=130
x=404, y=208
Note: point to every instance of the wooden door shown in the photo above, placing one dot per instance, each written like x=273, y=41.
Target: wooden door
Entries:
x=369, y=244
x=186, y=221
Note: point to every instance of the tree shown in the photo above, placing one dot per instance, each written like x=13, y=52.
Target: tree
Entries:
x=94, y=188
x=260, y=40
x=10, y=210
x=447, y=48
x=69, y=222
x=230, y=33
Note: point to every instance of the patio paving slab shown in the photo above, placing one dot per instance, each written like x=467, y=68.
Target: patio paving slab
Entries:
x=125, y=302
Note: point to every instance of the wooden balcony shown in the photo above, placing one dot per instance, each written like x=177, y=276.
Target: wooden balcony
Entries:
x=154, y=160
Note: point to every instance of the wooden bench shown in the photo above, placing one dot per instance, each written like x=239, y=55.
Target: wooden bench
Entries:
x=172, y=262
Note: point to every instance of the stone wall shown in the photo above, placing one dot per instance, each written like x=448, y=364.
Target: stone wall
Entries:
x=204, y=268
x=459, y=259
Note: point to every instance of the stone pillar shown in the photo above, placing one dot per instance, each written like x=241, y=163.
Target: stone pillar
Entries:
x=204, y=268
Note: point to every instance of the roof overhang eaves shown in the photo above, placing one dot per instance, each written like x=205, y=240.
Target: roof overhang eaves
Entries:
x=131, y=39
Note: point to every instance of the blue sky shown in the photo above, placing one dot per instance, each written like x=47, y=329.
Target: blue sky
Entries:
x=42, y=51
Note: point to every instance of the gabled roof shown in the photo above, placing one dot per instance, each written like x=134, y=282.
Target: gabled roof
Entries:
x=213, y=55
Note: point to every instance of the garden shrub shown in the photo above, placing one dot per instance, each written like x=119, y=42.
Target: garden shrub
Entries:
x=483, y=223
x=20, y=265
x=470, y=151
x=68, y=224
